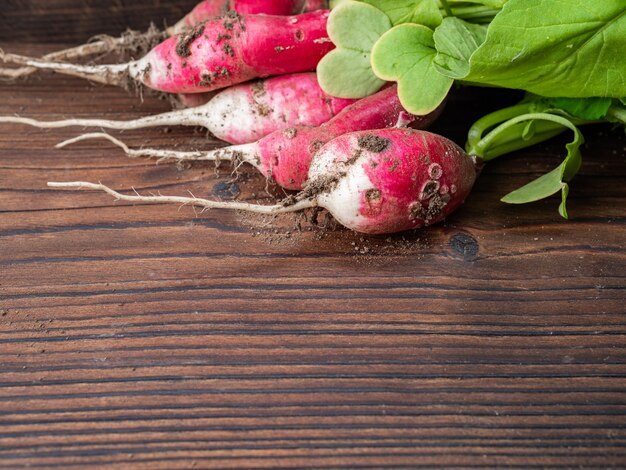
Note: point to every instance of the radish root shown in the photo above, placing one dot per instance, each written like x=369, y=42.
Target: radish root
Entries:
x=233, y=153
x=135, y=153
x=179, y=117
x=193, y=201
x=110, y=74
x=131, y=41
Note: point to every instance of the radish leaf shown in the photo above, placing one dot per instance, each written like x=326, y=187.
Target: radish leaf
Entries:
x=346, y=72
x=455, y=41
x=591, y=109
x=557, y=180
x=556, y=48
x=405, y=54
x=424, y=12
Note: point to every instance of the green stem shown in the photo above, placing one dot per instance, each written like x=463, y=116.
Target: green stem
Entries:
x=480, y=148
x=518, y=144
x=474, y=13
x=480, y=127
x=617, y=113
x=446, y=8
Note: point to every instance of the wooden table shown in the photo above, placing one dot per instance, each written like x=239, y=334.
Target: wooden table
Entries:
x=151, y=337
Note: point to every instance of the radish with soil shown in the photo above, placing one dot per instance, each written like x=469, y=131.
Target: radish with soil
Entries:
x=285, y=155
x=142, y=42
x=216, y=54
x=375, y=182
x=239, y=114
x=209, y=9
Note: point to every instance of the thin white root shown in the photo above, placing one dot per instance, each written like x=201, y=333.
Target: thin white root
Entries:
x=239, y=153
x=102, y=45
x=182, y=117
x=134, y=153
x=194, y=201
x=78, y=52
x=110, y=74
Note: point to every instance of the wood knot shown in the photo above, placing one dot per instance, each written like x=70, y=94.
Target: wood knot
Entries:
x=464, y=245
x=226, y=190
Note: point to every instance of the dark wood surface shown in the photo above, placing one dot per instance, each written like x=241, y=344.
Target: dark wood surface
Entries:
x=150, y=337
x=36, y=21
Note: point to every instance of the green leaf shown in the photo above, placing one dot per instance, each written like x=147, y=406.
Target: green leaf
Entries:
x=425, y=12
x=557, y=179
x=346, y=72
x=541, y=188
x=334, y=3
x=556, y=48
x=455, y=41
x=590, y=109
x=405, y=54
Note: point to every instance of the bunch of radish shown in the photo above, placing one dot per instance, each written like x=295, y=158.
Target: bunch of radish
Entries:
x=357, y=159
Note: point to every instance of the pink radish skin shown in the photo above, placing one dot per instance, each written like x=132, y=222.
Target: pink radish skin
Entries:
x=240, y=114
x=373, y=182
x=208, y=9
x=216, y=54
x=312, y=5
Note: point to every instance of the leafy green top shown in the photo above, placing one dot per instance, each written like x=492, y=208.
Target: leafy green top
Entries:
x=567, y=54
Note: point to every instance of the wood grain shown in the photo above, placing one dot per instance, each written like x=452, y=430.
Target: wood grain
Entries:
x=37, y=21
x=150, y=337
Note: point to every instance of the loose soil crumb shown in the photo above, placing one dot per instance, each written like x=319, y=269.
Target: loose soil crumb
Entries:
x=374, y=143
x=290, y=133
x=185, y=40
x=231, y=18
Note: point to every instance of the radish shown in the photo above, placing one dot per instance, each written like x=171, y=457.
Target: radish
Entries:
x=215, y=54
x=239, y=114
x=285, y=155
x=210, y=8
x=205, y=10
x=375, y=182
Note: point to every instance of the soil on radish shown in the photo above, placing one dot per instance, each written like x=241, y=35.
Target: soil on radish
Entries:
x=185, y=40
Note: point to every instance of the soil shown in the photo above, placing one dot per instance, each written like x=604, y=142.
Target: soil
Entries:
x=374, y=143
x=185, y=40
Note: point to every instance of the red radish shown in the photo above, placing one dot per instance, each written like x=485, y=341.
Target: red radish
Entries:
x=215, y=54
x=239, y=114
x=312, y=5
x=375, y=182
x=204, y=11
x=208, y=9
x=285, y=155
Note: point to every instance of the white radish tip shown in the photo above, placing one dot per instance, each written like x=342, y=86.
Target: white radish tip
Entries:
x=73, y=184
